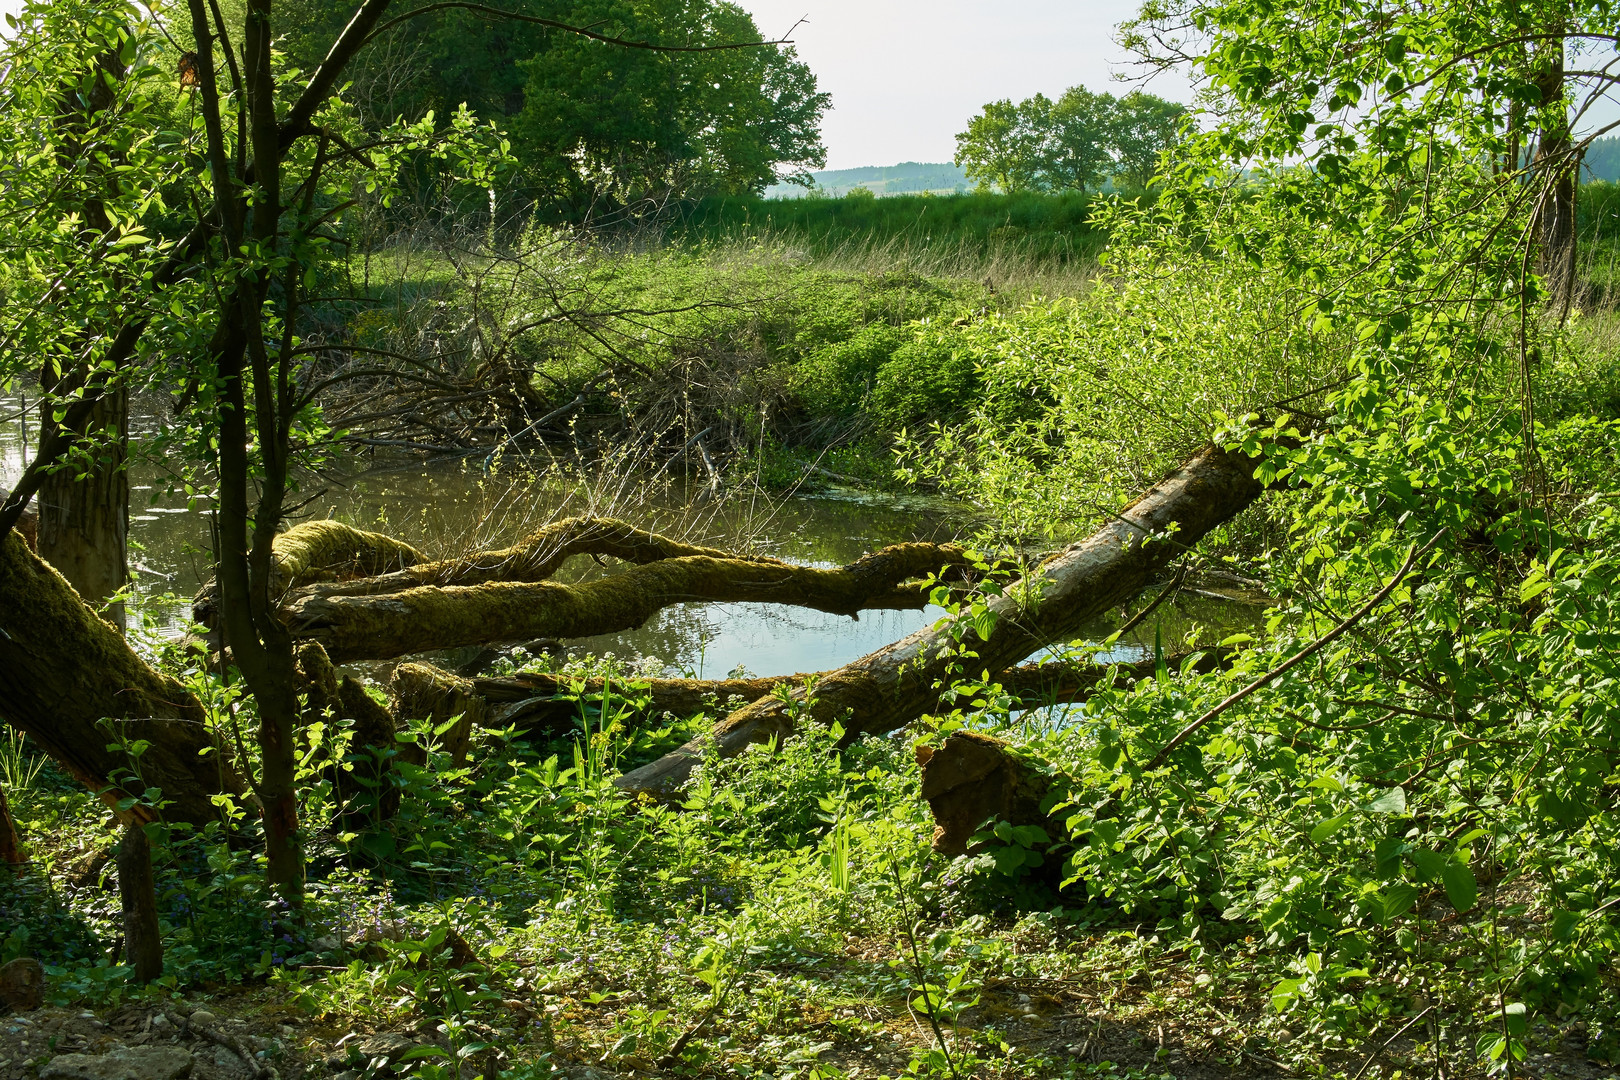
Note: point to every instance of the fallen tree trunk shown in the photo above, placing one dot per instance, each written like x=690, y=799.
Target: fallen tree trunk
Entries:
x=317, y=551
x=356, y=627
x=71, y=682
x=538, y=703
x=889, y=688
x=534, y=558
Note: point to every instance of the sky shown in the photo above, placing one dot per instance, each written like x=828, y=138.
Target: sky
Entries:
x=905, y=75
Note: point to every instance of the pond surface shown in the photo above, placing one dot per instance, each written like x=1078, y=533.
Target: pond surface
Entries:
x=452, y=506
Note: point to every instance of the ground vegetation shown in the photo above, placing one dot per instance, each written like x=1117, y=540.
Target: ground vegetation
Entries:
x=1355, y=356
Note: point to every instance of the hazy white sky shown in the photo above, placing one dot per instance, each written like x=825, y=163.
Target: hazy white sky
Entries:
x=905, y=75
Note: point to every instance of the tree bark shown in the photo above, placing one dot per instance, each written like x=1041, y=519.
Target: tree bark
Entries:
x=143, y=936
x=1556, y=166
x=889, y=688
x=83, y=522
x=11, y=849
x=70, y=681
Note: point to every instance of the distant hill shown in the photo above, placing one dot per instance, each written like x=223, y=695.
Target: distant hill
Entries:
x=908, y=177
x=1603, y=160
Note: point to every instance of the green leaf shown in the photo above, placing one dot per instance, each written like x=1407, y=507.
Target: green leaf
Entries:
x=1327, y=828
x=1392, y=801
x=1461, y=889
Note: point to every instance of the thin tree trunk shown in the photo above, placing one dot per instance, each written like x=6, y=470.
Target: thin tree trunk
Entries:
x=885, y=690
x=1556, y=168
x=83, y=523
x=143, y=936
x=11, y=850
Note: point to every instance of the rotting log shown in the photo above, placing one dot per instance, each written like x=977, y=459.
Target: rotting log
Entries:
x=540, y=703
x=972, y=778
x=424, y=692
x=432, y=617
x=534, y=558
x=71, y=682
x=887, y=689
x=319, y=551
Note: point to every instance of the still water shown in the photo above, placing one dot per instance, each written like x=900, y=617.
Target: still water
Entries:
x=453, y=506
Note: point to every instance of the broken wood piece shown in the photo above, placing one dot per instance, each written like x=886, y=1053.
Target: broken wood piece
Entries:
x=972, y=778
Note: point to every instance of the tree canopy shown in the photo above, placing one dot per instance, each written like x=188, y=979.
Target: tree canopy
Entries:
x=591, y=120
x=1076, y=142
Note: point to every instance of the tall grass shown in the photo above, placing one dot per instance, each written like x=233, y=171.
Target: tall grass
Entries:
x=1051, y=226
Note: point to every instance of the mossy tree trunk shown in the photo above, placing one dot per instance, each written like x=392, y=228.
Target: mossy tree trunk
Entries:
x=71, y=682
x=84, y=517
x=352, y=624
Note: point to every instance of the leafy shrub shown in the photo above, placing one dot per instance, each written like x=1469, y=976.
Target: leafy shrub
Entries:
x=927, y=378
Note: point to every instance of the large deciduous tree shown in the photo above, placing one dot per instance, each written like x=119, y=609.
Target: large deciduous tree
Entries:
x=590, y=119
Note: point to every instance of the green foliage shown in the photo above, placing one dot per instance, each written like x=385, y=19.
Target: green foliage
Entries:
x=1072, y=143
x=606, y=122
x=1088, y=399
x=1035, y=225
x=595, y=124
